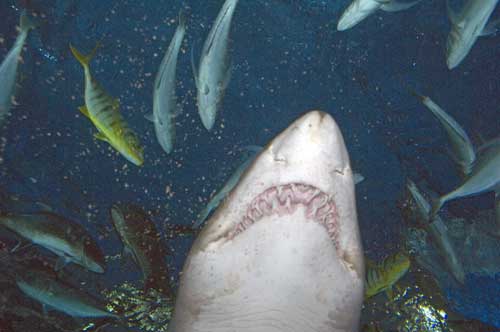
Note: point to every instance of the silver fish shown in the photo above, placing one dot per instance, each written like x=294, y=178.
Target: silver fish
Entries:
x=59, y=296
x=439, y=234
x=466, y=27
x=463, y=150
x=484, y=177
x=8, y=68
x=165, y=106
x=65, y=238
x=215, y=67
x=358, y=10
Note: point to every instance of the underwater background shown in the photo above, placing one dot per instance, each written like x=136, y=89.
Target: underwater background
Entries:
x=287, y=58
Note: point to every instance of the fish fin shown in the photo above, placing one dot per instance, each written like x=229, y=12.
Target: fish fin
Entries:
x=396, y=6
x=25, y=23
x=21, y=244
x=463, y=168
x=150, y=117
x=61, y=263
x=389, y=292
x=452, y=14
x=201, y=217
x=82, y=58
x=193, y=67
x=357, y=177
x=486, y=145
x=126, y=251
x=83, y=109
x=436, y=206
x=116, y=104
x=45, y=310
x=252, y=148
x=44, y=207
x=491, y=28
x=100, y=136
x=497, y=208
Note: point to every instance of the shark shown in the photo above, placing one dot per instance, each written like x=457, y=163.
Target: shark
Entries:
x=283, y=251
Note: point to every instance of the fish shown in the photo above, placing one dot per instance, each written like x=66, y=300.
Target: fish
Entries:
x=358, y=10
x=439, y=234
x=165, y=106
x=103, y=112
x=284, y=247
x=463, y=150
x=9, y=66
x=214, y=72
x=54, y=294
x=381, y=277
x=466, y=27
x=143, y=242
x=484, y=177
x=63, y=237
x=222, y=193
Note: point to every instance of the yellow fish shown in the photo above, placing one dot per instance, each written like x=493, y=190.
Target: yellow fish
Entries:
x=104, y=113
x=382, y=276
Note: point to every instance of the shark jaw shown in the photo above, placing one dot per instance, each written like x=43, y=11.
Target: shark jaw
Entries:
x=283, y=252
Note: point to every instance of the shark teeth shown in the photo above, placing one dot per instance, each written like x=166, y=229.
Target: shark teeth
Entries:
x=284, y=200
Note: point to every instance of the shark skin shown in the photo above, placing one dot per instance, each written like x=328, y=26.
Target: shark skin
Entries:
x=283, y=252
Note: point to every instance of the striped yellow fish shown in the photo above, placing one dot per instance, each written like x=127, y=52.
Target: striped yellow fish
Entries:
x=104, y=113
x=382, y=276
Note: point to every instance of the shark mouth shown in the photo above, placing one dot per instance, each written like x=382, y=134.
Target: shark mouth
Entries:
x=284, y=200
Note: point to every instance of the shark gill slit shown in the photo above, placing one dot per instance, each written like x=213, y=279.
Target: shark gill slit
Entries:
x=285, y=199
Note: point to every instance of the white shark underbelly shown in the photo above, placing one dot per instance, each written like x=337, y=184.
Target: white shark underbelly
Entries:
x=283, y=252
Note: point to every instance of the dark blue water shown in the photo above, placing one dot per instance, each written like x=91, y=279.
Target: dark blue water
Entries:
x=288, y=58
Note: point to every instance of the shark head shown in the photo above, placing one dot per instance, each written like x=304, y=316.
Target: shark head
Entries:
x=283, y=252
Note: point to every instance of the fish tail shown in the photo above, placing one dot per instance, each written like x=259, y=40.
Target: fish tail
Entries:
x=82, y=58
x=26, y=23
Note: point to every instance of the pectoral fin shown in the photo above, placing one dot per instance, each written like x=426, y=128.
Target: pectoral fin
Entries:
x=20, y=246
x=150, y=117
x=100, y=136
x=491, y=28
x=396, y=6
x=83, y=109
x=61, y=263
